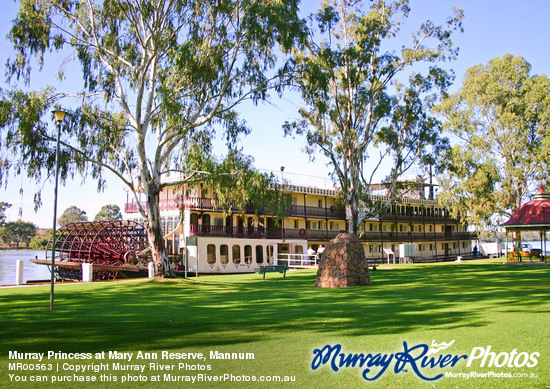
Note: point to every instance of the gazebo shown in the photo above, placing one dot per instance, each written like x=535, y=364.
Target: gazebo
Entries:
x=531, y=216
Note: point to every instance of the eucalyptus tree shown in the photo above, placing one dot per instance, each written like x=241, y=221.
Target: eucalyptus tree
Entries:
x=73, y=214
x=359, y=108
x=108, y=212
x=17, y=232
x=158, y=78
x=3, y=207
x=500, y=117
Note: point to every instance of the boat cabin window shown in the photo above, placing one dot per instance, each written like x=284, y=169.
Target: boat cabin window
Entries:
x=248, y=254
x=224, y=254
x=211, y=254
x=236, y=254
x=270, y=254
x=259, y=254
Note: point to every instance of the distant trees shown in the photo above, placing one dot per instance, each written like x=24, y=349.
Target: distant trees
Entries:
x=73, y=214
x=17, y=232
x=108, y=212
x=501, y=117
x=38, y=243
x=359, y=112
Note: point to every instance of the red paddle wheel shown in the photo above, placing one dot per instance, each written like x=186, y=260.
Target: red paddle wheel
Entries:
x=110, y=243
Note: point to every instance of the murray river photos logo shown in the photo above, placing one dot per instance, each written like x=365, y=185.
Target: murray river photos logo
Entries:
x=419, y=359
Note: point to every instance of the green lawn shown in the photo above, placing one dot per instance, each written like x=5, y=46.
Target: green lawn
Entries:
x=281, y=321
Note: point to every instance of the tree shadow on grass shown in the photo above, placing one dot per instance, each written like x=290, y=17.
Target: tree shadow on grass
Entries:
x=212, y=312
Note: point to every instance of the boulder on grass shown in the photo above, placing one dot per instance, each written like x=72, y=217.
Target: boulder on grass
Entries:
x=343, y=264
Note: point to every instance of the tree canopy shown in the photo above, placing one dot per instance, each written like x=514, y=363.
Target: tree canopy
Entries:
x=159, y=78
x=500, y=117
x=73, y=214
x=17, y=232
x=108, y=212
x=359, y=108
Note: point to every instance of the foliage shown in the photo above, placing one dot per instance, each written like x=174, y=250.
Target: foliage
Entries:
x=73, y=214
x=358, y=106
x=17, y=232
x=500, y=116
x=159, y=78
x=108, y=212
x=3, y=207
x=38, y=243
x=237, y=185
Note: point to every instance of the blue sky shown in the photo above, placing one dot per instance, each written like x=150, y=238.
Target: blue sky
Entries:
x=492, y=28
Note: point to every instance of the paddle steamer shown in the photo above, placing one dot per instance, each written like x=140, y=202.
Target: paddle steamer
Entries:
x=203, y=238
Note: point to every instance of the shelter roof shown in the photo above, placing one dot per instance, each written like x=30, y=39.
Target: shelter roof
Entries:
x=533, y=214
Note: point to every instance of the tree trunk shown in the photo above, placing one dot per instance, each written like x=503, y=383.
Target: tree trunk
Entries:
x=351, y=207
x=155, y=236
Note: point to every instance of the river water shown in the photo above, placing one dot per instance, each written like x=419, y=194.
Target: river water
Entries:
x=31, y=272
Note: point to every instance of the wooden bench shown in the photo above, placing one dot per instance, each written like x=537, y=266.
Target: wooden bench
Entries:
x=273, y=269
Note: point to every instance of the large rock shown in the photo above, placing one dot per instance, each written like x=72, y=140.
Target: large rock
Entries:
x=343, y=264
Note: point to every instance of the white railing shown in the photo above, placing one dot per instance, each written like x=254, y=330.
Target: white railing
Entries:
x=297, y=260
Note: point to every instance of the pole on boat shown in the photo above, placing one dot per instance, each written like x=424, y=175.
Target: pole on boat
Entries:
x=59, y=116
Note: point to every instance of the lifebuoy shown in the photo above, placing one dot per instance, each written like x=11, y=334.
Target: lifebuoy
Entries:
x=333, y=208
x=302, y=231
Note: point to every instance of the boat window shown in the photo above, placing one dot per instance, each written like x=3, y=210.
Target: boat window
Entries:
x=236, y=254
x=211, y=254
x=248, y=254
x=224, y=254
x=259, y=254
x=270, y=254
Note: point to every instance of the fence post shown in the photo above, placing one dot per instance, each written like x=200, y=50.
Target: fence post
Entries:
x=151, y=268
x=87, y=272
x=19, y=266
